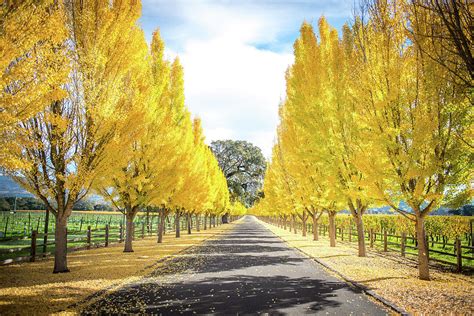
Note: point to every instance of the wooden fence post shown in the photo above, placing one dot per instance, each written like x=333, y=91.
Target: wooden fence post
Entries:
x=371, y=236
x=80, y=226
x=458, y=255
x=385, y=241
x=121, y=233
x=403, y=243
x=89, y=237
x=34, y=234
x=106, y=235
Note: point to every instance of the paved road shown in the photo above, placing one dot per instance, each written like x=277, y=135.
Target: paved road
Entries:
x=248, y=270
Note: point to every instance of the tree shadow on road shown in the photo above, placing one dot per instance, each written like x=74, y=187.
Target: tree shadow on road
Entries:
x=214, y=278
x=240, y=294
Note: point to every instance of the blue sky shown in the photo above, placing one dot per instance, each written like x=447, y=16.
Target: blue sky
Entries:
x=235, y=54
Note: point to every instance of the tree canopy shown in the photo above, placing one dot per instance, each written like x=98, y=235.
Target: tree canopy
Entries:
x=243, y=165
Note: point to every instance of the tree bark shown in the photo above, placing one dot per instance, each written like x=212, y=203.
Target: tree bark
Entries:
x=60, y=239
x=332, y=228
x=189, y=222
x=46, y=226
x=423, y=259
x=129, y=233
x=177, y=224
x=198, y=228
x=303, y=220
x=205, y=221
x=360, y=235
x=315, y=226
x=161, y=226
x=293, y=220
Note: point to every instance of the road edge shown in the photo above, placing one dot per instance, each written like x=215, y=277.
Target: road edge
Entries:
x=99, y=294
x=346, y=279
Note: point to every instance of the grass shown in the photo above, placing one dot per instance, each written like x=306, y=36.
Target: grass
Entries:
x=18, y=228
x=394, y=244
x=390, y=276
x=31, y=288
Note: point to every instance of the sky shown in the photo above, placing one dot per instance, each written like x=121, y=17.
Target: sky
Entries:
x=234, y=55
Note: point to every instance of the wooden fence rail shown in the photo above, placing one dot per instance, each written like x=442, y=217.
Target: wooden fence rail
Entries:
x=91, y=238
x=372, y=236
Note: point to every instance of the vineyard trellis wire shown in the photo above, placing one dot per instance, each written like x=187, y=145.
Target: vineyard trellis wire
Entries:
x=86, y=230
x=450, y=238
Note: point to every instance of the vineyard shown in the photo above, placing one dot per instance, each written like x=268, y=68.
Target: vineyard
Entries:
x=450, y=238
x=24, y=235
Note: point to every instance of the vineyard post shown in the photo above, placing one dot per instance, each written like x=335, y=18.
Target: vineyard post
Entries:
x=472, y=234
x=6, y=227
x=89, y=237
x=403, y=242
x=371, y=236
x=121, y=233
x=385, y=246
x=46, y=231
x=458, y=255
x=106, y=235
x=34, y=234
x=80, y=226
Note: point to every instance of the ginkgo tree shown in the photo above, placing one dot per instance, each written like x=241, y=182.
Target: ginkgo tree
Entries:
x=371, y=118
x=89, y=105
x=74, y=139
x=418, y=119
x=34, y=68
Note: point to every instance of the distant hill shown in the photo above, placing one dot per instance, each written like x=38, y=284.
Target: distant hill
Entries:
x=9, y=188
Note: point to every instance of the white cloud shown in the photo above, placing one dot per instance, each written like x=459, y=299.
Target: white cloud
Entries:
x=234, y=55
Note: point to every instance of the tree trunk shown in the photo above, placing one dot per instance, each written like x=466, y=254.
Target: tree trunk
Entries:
x=161, y=226
x=293, y=220
x=176, y=222
x=205, y=221
x=360, y=235
x=284, y=223
x=303, y=219
x=332, y=228
x=315, y=226
x=423, y=268
x=129, y=233
x=60, y=239
x=189, y=222
x=46, y=225
x=198, y=228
